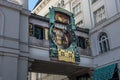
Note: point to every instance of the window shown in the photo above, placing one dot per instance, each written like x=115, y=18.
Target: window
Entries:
x=80, y=23
x=81, y=42
x=103, y=43
x=99, y=14
x=83, y=77
x=30, y=29
x=58, y=5
x=77, y=9
x=38, y=76
x=36, y=31
x=61, y=4
x=93, y=1
x=46, y=34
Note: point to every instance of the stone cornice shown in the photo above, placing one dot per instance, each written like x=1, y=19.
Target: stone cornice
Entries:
x=14, y=6
x=25, y=12
x=10, y=5
x=13, y=1
x=40, y=6
x=104, y=24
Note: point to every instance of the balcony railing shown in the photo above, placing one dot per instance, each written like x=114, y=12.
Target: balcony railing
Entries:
x=38, y=42
x=86, y=52
x=45, y=44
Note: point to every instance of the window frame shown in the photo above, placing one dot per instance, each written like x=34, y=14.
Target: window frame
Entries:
x=93, y=1
x=99, y=14
x=104, y=45
x=77, y=8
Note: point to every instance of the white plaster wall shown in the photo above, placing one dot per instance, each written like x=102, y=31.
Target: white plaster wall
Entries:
x=9, y=68
x=79, y=17
x=39, y=54
x=22, y=68
x=10, y=29
x=86, y=61
x=94, y=44
x=97, y=5
x=107, y=58
x=86, y=14
x=112, y=29
x=0, y=67
x=24, y=3
x=23, y=28
x=11, y=22
x=67, y=6
x=23, y=33
x=45, y=10
x=111, y=8
x=118, y=5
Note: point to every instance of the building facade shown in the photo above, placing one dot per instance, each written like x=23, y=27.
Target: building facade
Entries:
x=24, y=41
x=38, y=30
x=103, y=35
x=80, y=9
x=102, y=17
x=14, y=39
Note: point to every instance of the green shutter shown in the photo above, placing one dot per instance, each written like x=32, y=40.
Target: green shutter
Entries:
x=104, y=73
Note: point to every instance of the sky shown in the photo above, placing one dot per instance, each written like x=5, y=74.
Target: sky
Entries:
x=32, y=4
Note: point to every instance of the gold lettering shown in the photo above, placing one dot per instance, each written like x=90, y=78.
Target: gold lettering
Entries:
x=65, y=55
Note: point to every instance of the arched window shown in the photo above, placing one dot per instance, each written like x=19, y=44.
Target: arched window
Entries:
x=103, y=43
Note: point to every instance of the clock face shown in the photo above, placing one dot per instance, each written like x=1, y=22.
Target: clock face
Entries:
x=62, y=18
x=61, y=38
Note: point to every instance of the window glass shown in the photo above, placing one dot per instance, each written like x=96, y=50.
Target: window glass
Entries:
x=81, y=42
x=103, y=43
x=99, y=14
x=38, y=32
x=77, y=9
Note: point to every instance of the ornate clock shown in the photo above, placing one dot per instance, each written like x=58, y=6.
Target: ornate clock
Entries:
x=61, y=38
x=63, y=45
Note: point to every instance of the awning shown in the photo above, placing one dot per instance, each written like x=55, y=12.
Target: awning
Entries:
x=104, y=73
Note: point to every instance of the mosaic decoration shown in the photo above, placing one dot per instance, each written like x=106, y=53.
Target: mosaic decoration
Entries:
x=62, y=37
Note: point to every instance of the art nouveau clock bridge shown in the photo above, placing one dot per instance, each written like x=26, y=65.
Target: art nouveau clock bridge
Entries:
x=59, y=55
x=41, y=62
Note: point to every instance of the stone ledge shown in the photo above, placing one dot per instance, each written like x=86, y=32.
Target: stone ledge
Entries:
x=15, y=7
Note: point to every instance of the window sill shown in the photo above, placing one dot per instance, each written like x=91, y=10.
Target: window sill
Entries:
x=102, y=54
x=93, y=2
x=100, y=22
x=77, y=13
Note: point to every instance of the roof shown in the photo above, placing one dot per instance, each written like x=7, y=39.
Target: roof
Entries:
x=85, y=30
x=35, y=16
x=39, y=17
x=37, y=3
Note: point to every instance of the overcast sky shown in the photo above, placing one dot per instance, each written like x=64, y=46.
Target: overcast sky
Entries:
x=32, y=4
